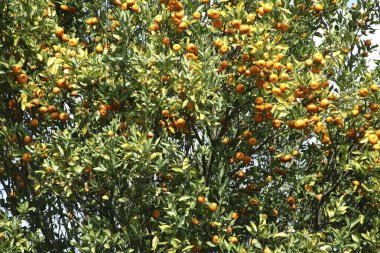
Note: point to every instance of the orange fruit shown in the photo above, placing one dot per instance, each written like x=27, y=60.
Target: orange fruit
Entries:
x=318, y=7
x=27, y=139
x=363, y=92
x=99, y=48
x=273, y=78
x=197, y=15
x=215, y=239
x=355, y=183
x=194, y=221
x=324, y=103
x=59, y=32
x=373, y=139
x=34, y=123
x=26, y=157
x=244, y=29
x=180, y=123
x=300, y=124
x=291, y=200
x=267, y=250
x=16, y=69
x=295, y=153
x=267, y=7
x=239, y=156
x=156, y=214
x=234, y=240
x=63, y=116
x=318, y=57
x=135, y=8
x=312, y=108
x=201, y=199
x=213, y=207
x=22, y=79
x=177, y=47
x=65, y=38
x=235, y=215
x=192, y=48
x=374, y=88
x=240, y=88
x=130, y=2
x=252, y=141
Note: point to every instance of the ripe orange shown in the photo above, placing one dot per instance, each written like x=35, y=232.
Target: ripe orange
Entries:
x=246, y=160
x=65, y=38
x=244, y=29
x=16, y=69
x=63, y=116
x=234, y=240
x=26, y=157
x=286, y=158
x=373, y=139
x=318, y=7
x=180, y=123
x=130, y=2
x=355, y=183
x=239, y=156
x=27, y=139
x=177, y=47
x=215, y=239
x=273, y=78
x=135, y=8
x=267, y=250
x=295, y=153
x=73, y=42
x=312, y=108
x=326, y=139
x=363, y=92
x=54, y=115
x=291, y=200
x=374, y=88
x=43, y=109
x=300, y=124
x=318, y=57
x=99, y=48
x=156, y=214
x=276, y=123
x=201, y=199
x=197, y=15
x=192, y=48
x=166, y=41
x=268, y=7
x=34, y=123
x=59, y=31
x=213, y=207
x=240, y=88
x=22, y=79
x=252, y=141
x=194, y=221
x=236, y=23
x=235, y=215
x=324, y=103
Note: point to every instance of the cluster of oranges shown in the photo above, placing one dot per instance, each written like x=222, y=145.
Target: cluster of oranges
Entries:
x=173, y=124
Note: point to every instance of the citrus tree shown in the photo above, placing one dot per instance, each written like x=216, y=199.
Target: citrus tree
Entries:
x=189, y=125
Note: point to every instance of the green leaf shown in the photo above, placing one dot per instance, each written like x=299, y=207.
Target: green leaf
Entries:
x=281, y=234
x=355, y=238
x=154, y=242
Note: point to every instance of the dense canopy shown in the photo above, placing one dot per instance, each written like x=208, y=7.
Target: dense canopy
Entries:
x=189, y=125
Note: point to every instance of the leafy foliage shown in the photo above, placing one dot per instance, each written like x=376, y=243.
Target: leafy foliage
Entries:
x=206, y=126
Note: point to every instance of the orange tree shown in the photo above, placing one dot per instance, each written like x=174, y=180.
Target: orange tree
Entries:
x=188, y=125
